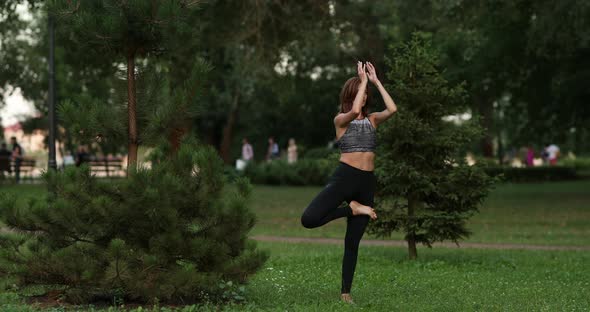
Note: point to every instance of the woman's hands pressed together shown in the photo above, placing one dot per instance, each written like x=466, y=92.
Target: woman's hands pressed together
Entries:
x=361, y=70
x=372, y=73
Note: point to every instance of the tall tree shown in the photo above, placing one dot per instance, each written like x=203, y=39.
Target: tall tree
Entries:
x=125, y=30
x=517, y=57
x=552, y=91
x=79, y=71
x=244, y=40
x=188, y=234
x=427, y=190
x=494, y=61
x=285, y=55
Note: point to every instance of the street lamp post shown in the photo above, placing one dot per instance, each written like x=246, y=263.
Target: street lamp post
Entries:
x=51, y=163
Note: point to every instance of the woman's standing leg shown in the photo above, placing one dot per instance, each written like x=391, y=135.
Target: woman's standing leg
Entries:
x=355, y=228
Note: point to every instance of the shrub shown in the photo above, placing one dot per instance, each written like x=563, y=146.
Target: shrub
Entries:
x=316, y=171
x=533, y=174
x=319, y=153
x=303, y=172
x=231, y=173
x=170, y=233
x=277, y=172
x=579, y=163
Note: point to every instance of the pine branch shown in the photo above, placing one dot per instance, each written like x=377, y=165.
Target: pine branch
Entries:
x=74, y=10
x=78, y=239
x=187, y=4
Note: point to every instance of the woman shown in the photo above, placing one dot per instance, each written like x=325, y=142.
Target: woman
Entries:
x=273, y=149
x=292, y=152
x=353, y=181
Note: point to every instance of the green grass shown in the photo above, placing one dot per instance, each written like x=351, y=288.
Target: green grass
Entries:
x=549, y=213
x=303, y=277
x=306, y=277
x=24, y=191
x=555, y=213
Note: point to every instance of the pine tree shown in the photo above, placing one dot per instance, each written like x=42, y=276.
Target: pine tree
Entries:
x=124, y=31
x=426, y=189
x=172, y=232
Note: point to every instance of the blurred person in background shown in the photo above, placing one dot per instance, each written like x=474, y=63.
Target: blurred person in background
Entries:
x=247, y=155
x=530, y=156
x=247, y=151
x=545, y=155
x=82, y=155
x=17, y=157
x=552, y=154
x=5, y=157
x=292, y=151
x=273, y=149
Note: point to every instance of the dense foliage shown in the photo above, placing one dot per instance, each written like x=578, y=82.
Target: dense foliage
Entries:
x=533, y=174
x=524, y=63
x=303, y=172
x=317, y=172
x=171, y=233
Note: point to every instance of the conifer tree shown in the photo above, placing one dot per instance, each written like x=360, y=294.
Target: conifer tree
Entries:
x=426, y=189
x=171, y=232
x=124, y=31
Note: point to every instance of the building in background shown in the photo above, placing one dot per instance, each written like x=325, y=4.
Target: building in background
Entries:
x=31, y=143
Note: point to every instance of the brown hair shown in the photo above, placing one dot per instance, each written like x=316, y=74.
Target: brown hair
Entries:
x=348, y=93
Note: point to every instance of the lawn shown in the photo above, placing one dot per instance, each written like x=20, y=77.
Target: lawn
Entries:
x=24, y=191
x=544, y=213
x=555, y=213
x=306, y=277
x=303, y=277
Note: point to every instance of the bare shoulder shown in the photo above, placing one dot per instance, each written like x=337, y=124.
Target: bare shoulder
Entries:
x=339, y=120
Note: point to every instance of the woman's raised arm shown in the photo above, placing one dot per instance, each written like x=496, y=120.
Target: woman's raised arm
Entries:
x=379, y=117
x=343, y=119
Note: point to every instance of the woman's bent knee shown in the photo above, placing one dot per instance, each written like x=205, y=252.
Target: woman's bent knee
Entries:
x=308, y=222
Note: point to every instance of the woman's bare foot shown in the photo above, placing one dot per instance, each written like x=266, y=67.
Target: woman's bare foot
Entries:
x=346, y=298
x=358, y=209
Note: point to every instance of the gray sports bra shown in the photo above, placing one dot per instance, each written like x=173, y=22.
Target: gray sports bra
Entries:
x=360, y=136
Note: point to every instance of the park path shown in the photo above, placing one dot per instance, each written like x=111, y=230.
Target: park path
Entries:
x=397, y=243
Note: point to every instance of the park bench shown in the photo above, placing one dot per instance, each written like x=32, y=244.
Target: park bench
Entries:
x=27, y=166
x=5, y=166
x=107, y=166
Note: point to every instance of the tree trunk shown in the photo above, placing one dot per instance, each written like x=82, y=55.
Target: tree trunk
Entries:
x=175, y=138
x=500, y=149
x=486, y=112
x=228, y=130
x=131, y=109
x=411, y=237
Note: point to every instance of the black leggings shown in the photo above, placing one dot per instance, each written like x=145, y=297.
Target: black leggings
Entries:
x=347, y=184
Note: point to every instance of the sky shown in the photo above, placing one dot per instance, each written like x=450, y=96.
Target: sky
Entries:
x=16, y=107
